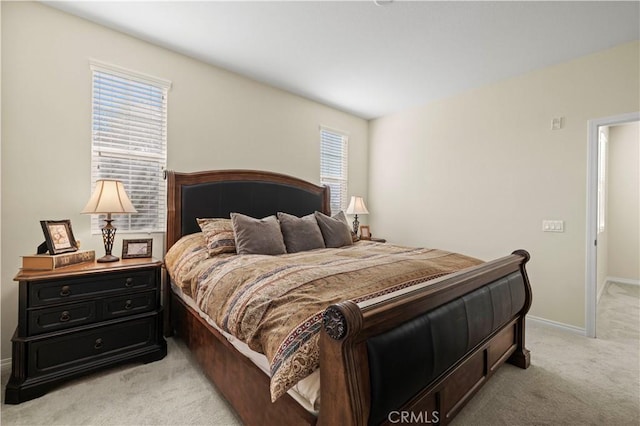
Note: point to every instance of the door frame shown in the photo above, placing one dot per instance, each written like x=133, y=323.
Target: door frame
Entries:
x=592, y=213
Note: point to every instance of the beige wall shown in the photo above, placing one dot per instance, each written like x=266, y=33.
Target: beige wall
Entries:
x=216, y=120
x=624, y=202
x=477, y=173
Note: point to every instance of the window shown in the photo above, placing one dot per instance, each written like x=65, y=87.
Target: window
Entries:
x=333, y=166
x=129, y=142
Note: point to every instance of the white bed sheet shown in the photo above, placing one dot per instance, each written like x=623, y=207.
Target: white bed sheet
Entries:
x=306, y=392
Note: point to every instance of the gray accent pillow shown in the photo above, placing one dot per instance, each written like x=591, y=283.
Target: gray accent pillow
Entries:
x=335, y=230
x=257, y=236
x=300, y=233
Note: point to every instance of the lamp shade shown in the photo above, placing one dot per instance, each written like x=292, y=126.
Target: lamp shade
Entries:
x=109, y=196
x=356, y=206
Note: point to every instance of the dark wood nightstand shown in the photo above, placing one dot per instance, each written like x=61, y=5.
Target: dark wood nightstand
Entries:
x=82, y=318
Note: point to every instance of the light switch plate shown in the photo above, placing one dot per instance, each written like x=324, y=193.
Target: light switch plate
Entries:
x=553, y=225
x=557, y=123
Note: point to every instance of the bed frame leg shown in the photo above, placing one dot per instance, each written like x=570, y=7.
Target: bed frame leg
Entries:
x=166, y=300
x=521, y=357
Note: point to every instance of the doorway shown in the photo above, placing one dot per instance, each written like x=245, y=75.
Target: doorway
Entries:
x=593, y=225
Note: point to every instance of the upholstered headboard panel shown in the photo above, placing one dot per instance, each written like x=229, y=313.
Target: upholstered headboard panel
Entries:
x=254, y=193
x=256, y=199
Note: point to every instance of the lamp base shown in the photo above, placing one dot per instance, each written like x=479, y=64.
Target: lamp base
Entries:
x=108, y=235
x=356, y=225
x=108, y=258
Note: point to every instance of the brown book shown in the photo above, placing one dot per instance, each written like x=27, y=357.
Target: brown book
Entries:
x=46, y=262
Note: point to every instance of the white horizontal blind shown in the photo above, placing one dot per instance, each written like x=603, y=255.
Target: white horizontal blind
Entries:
x=129, y=143
x=333, y=166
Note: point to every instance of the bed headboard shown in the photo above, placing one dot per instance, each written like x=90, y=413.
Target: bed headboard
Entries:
x=217, y=193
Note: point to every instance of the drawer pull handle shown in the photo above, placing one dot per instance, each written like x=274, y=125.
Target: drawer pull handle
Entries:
x=65, y=291
x=128, y=305
x=128, y=282
x=98, y=344
x=64, y=316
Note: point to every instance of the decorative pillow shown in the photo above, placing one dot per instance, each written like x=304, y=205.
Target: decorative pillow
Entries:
x=300, y=233
x=218, y=234
x=335, y=230
x=257, y=236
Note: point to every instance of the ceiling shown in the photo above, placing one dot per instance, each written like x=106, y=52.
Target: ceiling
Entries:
x=373, y=58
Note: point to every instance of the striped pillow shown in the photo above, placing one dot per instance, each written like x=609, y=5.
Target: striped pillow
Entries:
x=218, y=234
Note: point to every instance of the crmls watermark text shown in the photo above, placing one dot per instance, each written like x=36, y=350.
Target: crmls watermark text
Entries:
x=425, y=417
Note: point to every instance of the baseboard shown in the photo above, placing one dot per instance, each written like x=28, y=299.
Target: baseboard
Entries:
x=5, y=365
x=602, y=289
x=622, y=280
x=559, y=325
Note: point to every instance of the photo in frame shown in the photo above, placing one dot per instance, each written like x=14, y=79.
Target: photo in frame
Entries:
x=58, y=236
x=137, y=248
x=365, y=232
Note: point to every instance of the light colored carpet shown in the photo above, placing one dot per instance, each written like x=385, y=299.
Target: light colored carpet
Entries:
x=172, y=391
x=572, y=380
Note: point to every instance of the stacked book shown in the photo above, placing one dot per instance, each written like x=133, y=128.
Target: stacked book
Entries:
x=47, y=262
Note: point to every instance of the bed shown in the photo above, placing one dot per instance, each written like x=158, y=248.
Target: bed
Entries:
x=413, y=355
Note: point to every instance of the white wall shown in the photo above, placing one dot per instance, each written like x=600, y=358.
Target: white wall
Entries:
x=216, y=120
x=477, y=173
x=602, y=249
x=2, y=343
x=624, y=202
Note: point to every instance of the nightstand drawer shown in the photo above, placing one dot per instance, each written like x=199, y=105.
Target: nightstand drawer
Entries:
x=61, y=317
x=47, y=292
x=128, y=305
x=91, y=346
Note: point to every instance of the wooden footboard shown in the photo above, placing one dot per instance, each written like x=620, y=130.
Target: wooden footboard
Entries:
x=418, y=355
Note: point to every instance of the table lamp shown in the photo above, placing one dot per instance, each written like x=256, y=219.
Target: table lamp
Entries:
x=109, y=197
x=356, y=207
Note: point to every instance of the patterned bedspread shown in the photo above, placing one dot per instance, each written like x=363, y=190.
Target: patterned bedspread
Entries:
x=275, y=303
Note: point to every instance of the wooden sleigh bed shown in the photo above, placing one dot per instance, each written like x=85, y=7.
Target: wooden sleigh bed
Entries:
x=416, y=355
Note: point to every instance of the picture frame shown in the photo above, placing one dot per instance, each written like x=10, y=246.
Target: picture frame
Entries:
x=58, y=236
x=137, y=248
x=365, y=232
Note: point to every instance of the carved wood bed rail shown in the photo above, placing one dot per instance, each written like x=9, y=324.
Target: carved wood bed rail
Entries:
x=413, y=355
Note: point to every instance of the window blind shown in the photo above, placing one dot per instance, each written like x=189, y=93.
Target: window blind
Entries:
x=129, y=143
x=333, y=166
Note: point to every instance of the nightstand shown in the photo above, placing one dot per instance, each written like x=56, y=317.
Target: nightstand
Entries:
x=83, y=318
